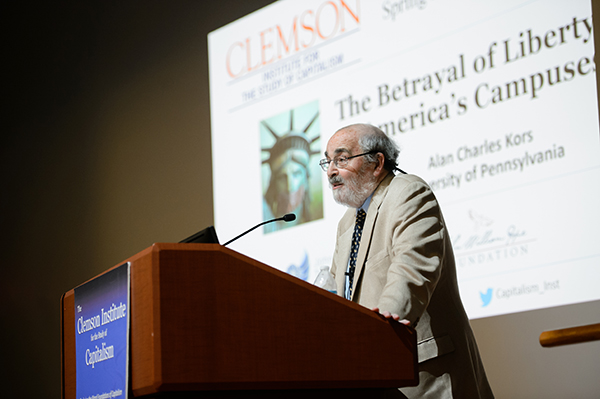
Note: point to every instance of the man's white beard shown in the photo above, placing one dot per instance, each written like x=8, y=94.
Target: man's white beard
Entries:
x=355, y=190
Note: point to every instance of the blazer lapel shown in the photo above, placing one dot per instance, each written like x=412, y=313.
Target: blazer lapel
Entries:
x=365, y=241
x=344, y=245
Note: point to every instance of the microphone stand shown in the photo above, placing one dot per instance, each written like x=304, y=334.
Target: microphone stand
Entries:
x=286, y=218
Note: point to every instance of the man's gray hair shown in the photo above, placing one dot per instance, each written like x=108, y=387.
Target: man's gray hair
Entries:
x=374, y=139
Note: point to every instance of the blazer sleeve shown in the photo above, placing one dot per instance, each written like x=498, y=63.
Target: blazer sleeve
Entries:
x=416, y=250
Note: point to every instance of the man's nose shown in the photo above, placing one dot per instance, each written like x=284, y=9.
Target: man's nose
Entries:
x=332, y=170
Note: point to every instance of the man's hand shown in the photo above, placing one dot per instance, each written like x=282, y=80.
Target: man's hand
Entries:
x=393, y=316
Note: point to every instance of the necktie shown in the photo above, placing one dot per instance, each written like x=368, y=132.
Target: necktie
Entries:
x=358, y=227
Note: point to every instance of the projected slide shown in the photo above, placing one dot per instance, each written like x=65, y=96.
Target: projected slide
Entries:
x=492, y=102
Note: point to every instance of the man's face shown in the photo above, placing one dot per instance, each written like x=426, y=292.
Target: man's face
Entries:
x=352, y=185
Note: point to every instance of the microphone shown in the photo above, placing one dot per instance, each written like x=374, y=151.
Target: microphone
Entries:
x=290, y=217
x=286, y=218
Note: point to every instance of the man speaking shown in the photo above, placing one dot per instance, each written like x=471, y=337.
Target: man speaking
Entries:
x=393, y=255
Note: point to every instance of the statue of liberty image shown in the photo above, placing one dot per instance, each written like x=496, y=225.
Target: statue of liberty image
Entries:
x=290, y=174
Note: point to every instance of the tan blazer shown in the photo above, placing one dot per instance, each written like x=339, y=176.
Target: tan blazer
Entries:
x=406, y=266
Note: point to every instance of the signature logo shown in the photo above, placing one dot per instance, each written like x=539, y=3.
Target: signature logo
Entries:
x=484, y=234
x=486, y=297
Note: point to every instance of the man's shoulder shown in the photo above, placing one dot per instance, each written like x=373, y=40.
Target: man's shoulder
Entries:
x=402, y=180
x=407, y=178
x=395, y=187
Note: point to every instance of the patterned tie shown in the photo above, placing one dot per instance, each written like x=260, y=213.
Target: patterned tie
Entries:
x=360, y=222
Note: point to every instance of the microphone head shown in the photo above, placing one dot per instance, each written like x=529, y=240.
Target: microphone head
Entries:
x=290, y=217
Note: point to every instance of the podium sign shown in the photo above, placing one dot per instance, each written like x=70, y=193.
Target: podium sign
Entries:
x=102, y=335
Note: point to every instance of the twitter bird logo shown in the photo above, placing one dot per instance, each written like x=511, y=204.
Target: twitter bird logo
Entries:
x=486, y=297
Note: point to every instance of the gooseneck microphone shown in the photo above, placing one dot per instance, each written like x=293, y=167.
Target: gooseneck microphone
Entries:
x=286, y=218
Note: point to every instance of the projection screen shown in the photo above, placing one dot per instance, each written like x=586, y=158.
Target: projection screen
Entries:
x=493, y=103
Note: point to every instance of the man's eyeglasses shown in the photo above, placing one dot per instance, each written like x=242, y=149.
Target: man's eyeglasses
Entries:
x=342, y=161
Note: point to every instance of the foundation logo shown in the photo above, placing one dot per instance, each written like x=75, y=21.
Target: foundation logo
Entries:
x=488, y=242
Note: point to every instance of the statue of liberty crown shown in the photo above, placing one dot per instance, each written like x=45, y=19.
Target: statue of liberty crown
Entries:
x=291, y=140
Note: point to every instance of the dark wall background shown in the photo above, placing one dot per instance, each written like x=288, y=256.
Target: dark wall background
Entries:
x=106, y=149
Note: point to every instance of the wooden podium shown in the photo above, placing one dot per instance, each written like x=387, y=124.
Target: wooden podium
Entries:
x=207, y=321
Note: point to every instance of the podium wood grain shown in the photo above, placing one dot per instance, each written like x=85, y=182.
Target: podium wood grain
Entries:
x=206, y=318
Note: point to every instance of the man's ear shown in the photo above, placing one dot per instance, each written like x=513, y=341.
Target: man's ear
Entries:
x=379, y=170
